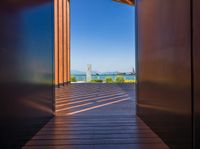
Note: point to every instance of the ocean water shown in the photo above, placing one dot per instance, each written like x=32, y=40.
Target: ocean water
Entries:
x=102, y=77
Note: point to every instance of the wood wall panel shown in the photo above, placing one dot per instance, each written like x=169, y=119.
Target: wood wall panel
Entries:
x=164, y=69
x=26, y=69
x=196, y=72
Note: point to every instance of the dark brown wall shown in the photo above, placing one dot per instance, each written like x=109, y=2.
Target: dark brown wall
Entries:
x=196, y=60
x=164, y=69
x=26, y=59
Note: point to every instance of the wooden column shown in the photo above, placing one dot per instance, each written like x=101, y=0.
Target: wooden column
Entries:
x=65, y=38
x=68, y=41
x=62, y=42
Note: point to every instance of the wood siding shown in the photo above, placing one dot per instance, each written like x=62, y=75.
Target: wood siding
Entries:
x=62, y=40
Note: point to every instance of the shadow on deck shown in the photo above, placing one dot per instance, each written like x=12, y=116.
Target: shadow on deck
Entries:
x=96, y=99
x=96, y=116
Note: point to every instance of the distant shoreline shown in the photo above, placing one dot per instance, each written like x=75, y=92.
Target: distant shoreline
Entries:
x=82, y=77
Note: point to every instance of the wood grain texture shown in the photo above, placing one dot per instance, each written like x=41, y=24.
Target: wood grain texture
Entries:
x=61, y=41
x=65, y=39
x=68, y=42
x=56, y=64
x=113, y=126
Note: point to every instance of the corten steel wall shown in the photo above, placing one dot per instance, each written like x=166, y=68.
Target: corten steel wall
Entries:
x=196, y=60
x=164, y=69
x=26, y=69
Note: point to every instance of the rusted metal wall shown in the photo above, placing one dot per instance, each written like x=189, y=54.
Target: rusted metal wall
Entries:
x=26, y=69
x=164, y=69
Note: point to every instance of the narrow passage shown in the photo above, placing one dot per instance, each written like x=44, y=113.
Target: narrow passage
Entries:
x=96, y=116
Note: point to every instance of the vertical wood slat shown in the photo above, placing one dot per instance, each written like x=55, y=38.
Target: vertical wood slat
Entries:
x=65, y=38
x=62, y=41
x=56, y=42
x=68, y=41
x=60, y=36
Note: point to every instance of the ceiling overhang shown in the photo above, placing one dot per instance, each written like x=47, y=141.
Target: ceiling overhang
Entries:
x=21, y=4
x=129, y=2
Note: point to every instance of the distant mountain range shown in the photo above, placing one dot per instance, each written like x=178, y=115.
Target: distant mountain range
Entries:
x=77, y=72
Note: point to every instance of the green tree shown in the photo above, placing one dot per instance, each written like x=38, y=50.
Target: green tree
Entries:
x=119, y=79
x=109, y=80
x=73, y=79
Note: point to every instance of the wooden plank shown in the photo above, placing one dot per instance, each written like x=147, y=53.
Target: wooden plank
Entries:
x=88, y=136
x=109, y=146
x=94, y=141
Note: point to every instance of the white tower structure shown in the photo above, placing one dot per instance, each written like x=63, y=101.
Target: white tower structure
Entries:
x=89, y=73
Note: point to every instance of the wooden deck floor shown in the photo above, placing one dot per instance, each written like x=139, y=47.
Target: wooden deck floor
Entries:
x=96, y=116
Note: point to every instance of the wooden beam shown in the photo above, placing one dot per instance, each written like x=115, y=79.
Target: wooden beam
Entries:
x=129, y=2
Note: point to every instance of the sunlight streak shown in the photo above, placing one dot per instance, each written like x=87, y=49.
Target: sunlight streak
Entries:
x=95, y=107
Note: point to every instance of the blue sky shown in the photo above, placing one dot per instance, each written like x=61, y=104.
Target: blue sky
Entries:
x=102, y=34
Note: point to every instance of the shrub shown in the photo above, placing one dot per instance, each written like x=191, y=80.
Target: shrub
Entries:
x=109, y=80
x=130, y=81
x=96, y=81
x=119, y=79
x=73, y=79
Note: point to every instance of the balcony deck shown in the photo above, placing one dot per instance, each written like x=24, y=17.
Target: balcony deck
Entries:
x=96, y=116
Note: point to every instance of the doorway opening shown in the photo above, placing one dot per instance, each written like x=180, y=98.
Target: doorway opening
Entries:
x=101, y=51
x=102, y=42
